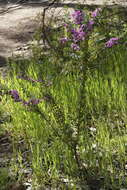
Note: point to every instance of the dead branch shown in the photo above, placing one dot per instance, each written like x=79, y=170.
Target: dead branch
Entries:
x=45, y=37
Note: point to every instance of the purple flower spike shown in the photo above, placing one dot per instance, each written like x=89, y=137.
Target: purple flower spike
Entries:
x=90, y=25
x=33, y=102
x=111, y=42
x=25, y=103
x=83, y=27
x=78, y=16
x=96, y=12
x=75, y=47
x=65, y=25
x=14, y=94
x=78, y=34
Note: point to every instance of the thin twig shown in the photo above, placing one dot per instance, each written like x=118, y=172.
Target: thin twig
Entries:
x=45, y=38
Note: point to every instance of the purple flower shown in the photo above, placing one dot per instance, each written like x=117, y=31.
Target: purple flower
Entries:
x=75, y=47
x=111, y=42
x=15, y=95
x=96, y=12
x=78, y=34
x=90, y=25
x=65, y=25
x=25, y=103
x=32, y=102
x=63, y=40
x=78, y=16
x=83, y=27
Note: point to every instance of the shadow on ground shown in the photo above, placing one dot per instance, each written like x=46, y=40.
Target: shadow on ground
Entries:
x=3, y=61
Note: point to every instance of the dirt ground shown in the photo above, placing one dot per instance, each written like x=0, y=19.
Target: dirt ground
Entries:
x=16, y=29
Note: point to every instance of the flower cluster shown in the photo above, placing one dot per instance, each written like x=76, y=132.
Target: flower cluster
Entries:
x=75, y=47
x=78, y=16
x=96, y=12
x=78, y=34
x=32, y=102
x=80, y=30
x=90, y=25
x=111, y=42
x=15, y=95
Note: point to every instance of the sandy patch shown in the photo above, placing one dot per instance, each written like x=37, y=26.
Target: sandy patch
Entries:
x=17, y=28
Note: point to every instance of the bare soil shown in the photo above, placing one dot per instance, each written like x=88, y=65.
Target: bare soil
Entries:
x=17, y=28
